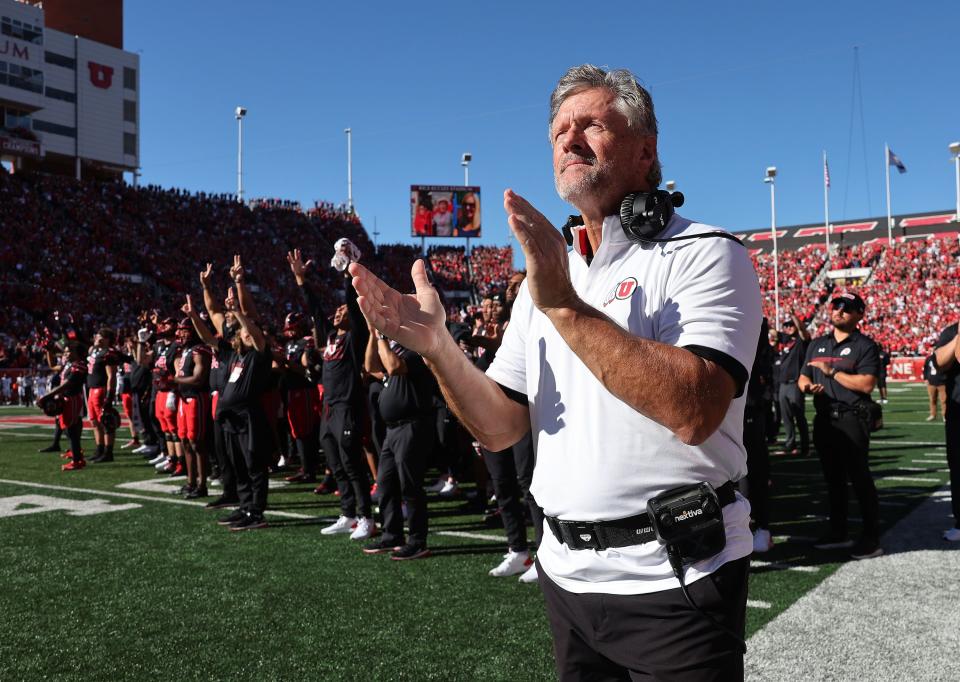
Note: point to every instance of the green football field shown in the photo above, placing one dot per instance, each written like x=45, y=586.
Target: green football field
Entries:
x=106, y=575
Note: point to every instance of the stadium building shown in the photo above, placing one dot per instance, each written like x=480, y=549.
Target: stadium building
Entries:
x=69, y=93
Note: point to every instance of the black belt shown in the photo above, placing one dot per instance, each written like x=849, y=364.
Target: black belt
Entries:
x=633, y=530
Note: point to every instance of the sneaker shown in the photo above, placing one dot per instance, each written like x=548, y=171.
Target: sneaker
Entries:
x=282, y=462
x=215, y=483
x=449, y=489
x=249, y=522
x=183, y=490
x=530, y=575
x=159, y=458
x=866, y=549
x=762, y=542
x=195, y=493
x=380, y=546
x=409, y=551
x=438, y=486
x=931, y=418
x=73, y=465
x=952, y=535
x=148, y=451
x=105, y=457
x=512, y=564
x=301, y=477
x=178, y=470
x=344, y=524
x=832, y=542
x=130, y=444
x=375, y=493
x=162, y=464
x=328, y=486
x=141, y=450
x=221, y=502
x=366, y=528
x=235, y=516
x=50, y=448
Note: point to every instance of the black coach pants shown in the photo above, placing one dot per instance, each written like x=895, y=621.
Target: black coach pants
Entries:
x=248, y=446
x=341, y=443
x=654, y=636
x=758, y=464
x=843, y=446
x=952, y=414
x=403, y=463
x=228, y=477
x=511, y=472
x=794, y=419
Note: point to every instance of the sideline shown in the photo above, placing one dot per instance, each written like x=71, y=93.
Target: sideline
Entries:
x=889, y=618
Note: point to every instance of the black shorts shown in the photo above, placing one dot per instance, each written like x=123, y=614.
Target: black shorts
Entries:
x=650, y=636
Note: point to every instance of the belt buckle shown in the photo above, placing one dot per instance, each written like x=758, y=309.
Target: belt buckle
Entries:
x=584, y=535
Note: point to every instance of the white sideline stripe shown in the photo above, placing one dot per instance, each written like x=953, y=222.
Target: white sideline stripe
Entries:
x=188, y=503
x=132, y=496
x=779, y=566
x=877, y=443
x=928, y=461
x=910, y=479
x=471, y=536
x=757, y=604
x=923, y=469
x=24, y=435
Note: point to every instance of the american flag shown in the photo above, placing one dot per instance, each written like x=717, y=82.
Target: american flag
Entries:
x=826, y=171
x=894, y=160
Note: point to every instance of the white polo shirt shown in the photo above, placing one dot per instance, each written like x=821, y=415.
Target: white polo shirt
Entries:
x=599, y=459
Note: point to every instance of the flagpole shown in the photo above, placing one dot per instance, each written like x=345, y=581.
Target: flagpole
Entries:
x=826, y=204
x=886, y=163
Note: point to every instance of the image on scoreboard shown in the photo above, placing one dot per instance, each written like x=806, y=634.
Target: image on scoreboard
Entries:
x=444, y=211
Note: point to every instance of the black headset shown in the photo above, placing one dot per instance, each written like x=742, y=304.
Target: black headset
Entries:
x=644, y=215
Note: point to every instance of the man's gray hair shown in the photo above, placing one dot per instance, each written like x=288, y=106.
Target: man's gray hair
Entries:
x=633, y=101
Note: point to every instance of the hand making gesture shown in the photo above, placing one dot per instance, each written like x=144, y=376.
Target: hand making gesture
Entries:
x=236, y=270
x=297, y=266
x=416, y=321
x=548, y=265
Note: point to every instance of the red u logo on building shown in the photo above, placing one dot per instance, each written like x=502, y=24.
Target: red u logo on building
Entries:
x=101, y=75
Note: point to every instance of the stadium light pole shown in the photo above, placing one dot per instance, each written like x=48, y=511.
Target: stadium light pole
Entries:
x=240, y=112
x=955, y=150
x=465, y=162
x=770, y=180
x=349, y=133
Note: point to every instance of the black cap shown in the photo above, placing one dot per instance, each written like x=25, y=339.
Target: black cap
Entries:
x=850, y=301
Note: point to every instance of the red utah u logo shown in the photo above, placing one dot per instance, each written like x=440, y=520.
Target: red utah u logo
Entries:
x=101, y=75
x=626, y=288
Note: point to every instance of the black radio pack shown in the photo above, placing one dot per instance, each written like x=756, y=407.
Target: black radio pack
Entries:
x=689, y=520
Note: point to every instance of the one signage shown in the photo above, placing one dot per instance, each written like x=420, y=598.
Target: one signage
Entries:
x=13, y=146
x=444, y=211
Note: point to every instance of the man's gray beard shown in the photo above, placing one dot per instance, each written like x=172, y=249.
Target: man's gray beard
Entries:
x=586, y=184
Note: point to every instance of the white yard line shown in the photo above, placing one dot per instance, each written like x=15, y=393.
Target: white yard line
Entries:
x=909, y=479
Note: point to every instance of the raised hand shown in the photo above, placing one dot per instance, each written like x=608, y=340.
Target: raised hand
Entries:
x=187, y=307
x=297, y=266
x=231, y=301
x=205, y=276
x=236, y=270
x=416, y=321
x=548, y=265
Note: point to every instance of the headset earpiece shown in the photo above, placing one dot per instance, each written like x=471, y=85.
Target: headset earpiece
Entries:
x=644, y=215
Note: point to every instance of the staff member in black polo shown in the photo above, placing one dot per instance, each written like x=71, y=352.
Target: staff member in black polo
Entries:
x=936, y=386
x=794, y=340
x=840, y=372
x=948, y=361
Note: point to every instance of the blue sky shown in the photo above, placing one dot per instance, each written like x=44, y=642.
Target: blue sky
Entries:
x=737, y=87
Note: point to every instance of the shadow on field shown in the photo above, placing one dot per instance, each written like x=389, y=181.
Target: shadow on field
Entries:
x=486, y=548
